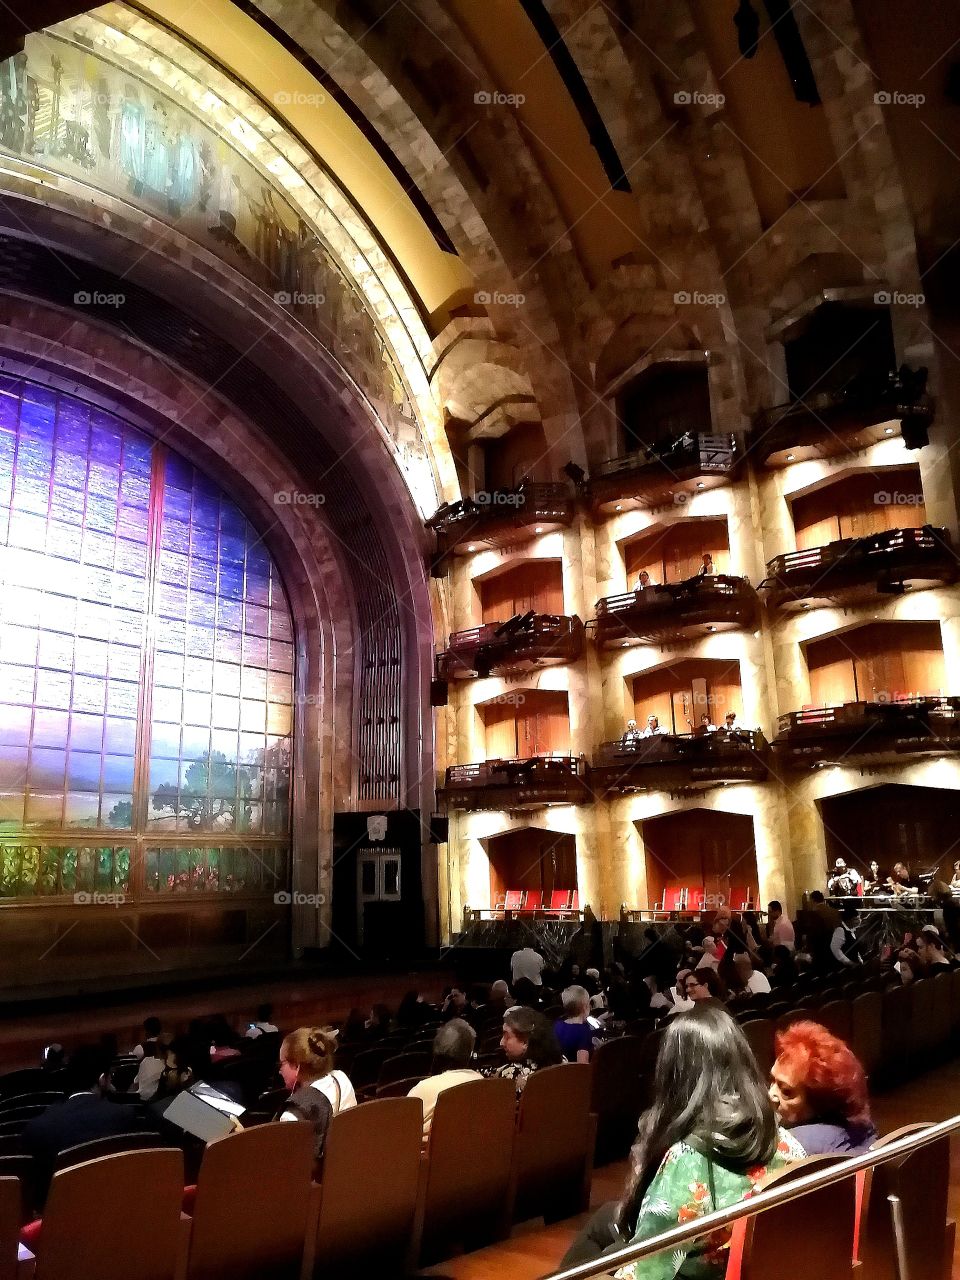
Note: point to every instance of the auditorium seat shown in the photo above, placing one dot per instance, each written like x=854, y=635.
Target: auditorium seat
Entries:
x=29, y=1080
x=835, y=1016
x=616, y=1095
x=469, y=1160
x=10, y=1221
x=116, y=1144
x=955, y=1006
x=366, y=1204
x=43, y=1099
x=403, y=1066
x=114, y=1218
x=251, y=1209
x=942, y=1003
x=810, y=1236
x=866, y=1013
x=922, y=1182
x=22, y=1168
x=397, y=1088
x=366, y=1066
x=759, y=1036
x=897, y=1031
x=554, y=1145
x=923, y=1042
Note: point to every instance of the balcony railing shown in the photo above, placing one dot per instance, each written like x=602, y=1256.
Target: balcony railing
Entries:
x=653, y=475
x=883, y=562
x=667, y=760
x=831, y=735
x=675, y=610
x=529, y=640
x=830, y=423
x=515, y=784
x=501, y=517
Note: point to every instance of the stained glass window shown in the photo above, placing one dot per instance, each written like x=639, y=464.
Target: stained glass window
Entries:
x=146, y=664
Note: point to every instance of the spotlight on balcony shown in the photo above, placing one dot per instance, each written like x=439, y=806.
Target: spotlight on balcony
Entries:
x=888, y=431
x=790, y=457
x=699, y=484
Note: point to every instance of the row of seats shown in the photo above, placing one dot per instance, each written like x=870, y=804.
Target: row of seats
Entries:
x=558, y=902
x=379, y=1199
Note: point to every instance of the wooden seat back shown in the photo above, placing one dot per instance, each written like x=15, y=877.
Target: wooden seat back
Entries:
x=921, y=1181
x=617, y=1094
x=114, y=1218
x=368, y=1189
x=469, y=1162
x=252, y=1203
x=810, y=1236
x=554, y=1145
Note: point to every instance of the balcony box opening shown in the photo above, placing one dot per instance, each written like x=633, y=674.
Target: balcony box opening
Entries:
x=698, y=860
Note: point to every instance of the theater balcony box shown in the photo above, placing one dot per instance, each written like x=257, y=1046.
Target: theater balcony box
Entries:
x=663, y=472
x=860, y=730
x=677, y=611
x=528, y=641
x=501, y=517
x=515, y=784
x=887, y=563
x=670, y=762
x=842, y=421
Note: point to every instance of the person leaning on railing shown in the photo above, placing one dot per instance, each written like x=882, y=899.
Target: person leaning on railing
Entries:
x=707, y=1142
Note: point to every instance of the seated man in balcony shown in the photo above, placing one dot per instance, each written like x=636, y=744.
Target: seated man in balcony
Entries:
x=653, y=728
x=706, y=567
x=643, y=581
x=704, y=727
x=632, y=735
x=845, y=882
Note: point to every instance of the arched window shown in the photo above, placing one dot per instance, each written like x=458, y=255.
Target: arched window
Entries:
x=146, y=668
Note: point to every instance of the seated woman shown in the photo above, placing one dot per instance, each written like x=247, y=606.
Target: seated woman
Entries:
x=820, y=1091
x=710, y=1137
x=306, y=1061
x=573, y=1031
x=529, y=1042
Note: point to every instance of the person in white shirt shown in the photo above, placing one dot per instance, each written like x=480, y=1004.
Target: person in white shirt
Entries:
x=151, y=1030
x=306, y=1060
x=529, y=964
x=452, y=1054
x=653, y=727
x=151, y=1069
x=681, y=1002
x=710, y=957
x=263, y=1026
x=781, y=931
x=631, y=735
x=754, y=982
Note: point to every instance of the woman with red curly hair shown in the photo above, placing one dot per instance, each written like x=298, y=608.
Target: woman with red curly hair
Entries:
x=819, y=1090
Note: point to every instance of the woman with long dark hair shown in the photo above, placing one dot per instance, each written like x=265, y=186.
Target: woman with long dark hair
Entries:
x=707, y=1141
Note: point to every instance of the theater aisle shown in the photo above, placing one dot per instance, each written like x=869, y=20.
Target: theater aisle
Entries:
x=533, y=1251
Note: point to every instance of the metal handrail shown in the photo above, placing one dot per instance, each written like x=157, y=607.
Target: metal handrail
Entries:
x=769, y=1199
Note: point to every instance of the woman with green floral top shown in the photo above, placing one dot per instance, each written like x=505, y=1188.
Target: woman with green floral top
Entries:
x=708, y=1140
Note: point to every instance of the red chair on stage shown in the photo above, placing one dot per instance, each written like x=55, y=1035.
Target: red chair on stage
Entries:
x=695, y=899
x=675, y=897
x=534, y=900
x=513, y=899
x=740, y=898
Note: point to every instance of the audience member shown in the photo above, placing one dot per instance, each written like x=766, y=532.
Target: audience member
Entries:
x=708, y=1140
x=779, y=929
x=704, y=985
x=452, y=1054
x=307, y=1059
x=930, y=950
x=263, y=1025
x=784, y=970
x=151, y=1029
x=529, y=1042
x=529, y=964
x=413, y=1011
x=499, y=1000
x=85, y=1115
x=149, y=1077
x=750, y=980
x=573, y=1031
x=378, y=1024
x=819, y=1090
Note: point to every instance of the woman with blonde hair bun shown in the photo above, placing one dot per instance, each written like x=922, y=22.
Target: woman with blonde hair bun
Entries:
x=306, y=1062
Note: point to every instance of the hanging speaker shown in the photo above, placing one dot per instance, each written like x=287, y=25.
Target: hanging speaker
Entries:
x=439, y=828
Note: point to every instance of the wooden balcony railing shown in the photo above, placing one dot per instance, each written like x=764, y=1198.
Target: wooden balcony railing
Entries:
x=501, y=517
x=831, y=423
x=667, y=760
x=653, y=475
x=832, y=735
x=530, y=640
x=675, y=610
x=885, y=562
x=513, y=784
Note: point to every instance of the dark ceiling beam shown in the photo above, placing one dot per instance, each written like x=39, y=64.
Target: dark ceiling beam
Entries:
x=19, y=17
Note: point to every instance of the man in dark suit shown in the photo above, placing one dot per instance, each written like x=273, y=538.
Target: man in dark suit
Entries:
x=85, y=1115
